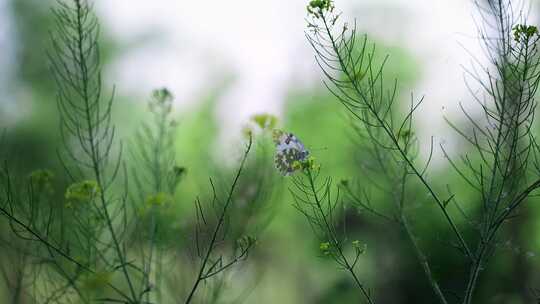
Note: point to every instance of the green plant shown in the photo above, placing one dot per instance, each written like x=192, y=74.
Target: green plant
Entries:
x=505, y=145
x=140, y=223
x=313, y=198
x=90, y=244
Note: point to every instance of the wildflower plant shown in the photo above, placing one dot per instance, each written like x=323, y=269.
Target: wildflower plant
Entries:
x=113, y=228
x=155, y=177
x=260, y=186
x=503, y=140
x=209, y=233
x=507, y=176
x=226, y=231
x=314, y=199
x=100, y=243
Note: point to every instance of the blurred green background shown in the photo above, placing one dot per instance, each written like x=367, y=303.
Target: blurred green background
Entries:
x=287, y=265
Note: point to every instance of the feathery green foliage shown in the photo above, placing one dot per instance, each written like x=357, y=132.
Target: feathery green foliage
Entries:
x=134, y=224
x=504, y=141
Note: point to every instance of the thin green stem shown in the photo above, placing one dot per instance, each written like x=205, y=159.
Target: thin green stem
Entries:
x=94, y=148
x=393, y=138
x=422, y=259
x=333, y=238
x=50, y=247
x=201, y=275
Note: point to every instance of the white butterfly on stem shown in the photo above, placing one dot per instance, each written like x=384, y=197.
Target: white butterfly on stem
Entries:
x=290, y=151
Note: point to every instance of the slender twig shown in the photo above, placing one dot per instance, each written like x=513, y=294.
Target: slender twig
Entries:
x=211, y=245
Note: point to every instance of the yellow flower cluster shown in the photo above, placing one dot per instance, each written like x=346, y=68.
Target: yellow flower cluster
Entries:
x=81, y=192
x=359, y=247
x=159, y=202
x=310, y=164
x=262, y=122
x=325, y=248
x=41, y=180
x=317, y=8
x=523, y=33
x=162, y=101
x=159, y=199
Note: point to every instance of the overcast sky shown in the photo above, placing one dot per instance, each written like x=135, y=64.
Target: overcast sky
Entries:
x=262, y=44
x=191, y=46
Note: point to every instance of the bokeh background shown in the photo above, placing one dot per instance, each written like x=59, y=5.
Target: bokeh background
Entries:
x=227, y=60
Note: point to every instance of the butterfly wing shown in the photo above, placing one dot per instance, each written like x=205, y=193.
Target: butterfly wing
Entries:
x=289, y=149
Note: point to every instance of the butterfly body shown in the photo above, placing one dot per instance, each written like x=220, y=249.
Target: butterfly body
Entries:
x=289, y=152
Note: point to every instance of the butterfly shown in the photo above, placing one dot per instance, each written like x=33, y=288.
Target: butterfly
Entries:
x=289, y=151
